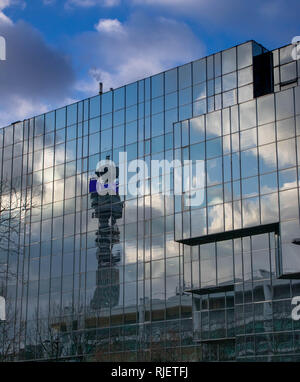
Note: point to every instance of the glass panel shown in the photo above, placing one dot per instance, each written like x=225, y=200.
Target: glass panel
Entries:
x=224, y=262
x=235, y=159
x=214, y=171
x=171, y=116
x=106, y=103
x=199, y=91
x=249, y=163
x=171, y=81
x=119, y=98
x=287, y=179
x=213, y=125
x=229, y=98
x=218, y=69
x=157, y=124
x=266, y=109
x=185, y=96
x=268, y=183
x=289, y=208
x=199, y=108
x=106, y=137
x=269, y=208
x=119, y=117
x=267, y=158
x=185, y=76
x=244, y=55
x=251, y=215
x=94, y=109
x=157, y=105
x=266, y=133
x=248, y=139
x=208, y=264
x=106, y=121
x=199, y=71
x=297, y=94
x=286, y=153
x=250, y=187
x=131, y=132
x=285, y=54
x=197, y=130
x=118, y=136
x=245, y=93
x=215, y=195
x=227, y=168
x=247, y=115
x=229, y=60
x=60, y=118
x=50, y=121
x=39, y=125
x=185, y=112
x=284, y=104
x=229, y=81
x=213, y=148
x=237, y=214
x=215, y=219
x=288, y=72
x=157, y=83
x=171, y=101
x=198, y=222
x=210, y=88
x=131, y=113
x=218, y=86
x=131, y=94
x=285, y=128
x=197, y=152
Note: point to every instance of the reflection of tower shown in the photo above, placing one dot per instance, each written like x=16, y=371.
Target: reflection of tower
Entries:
x=107, y=209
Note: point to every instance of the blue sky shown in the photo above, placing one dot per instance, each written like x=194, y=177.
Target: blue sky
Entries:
x=58, y=50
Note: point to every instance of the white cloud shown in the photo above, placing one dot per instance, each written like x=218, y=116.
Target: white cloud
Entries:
x=91, y=3
x=109, y=26
x=20, y=108
x=8, y=3
x=120, y=53
x=3, y=18
x=168, y=3
x=111, y=3
x=4, y=4
x=49, y=2
x=34, y=78
x=88, y=86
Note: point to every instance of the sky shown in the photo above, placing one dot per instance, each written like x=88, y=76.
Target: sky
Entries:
x=59, y=50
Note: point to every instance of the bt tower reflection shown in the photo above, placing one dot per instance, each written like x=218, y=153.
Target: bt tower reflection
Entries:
x=107, y=209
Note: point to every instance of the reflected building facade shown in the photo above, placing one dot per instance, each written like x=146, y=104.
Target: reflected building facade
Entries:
x=91, y=277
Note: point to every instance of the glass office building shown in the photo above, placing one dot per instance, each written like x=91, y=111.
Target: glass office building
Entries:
x=91, y=277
